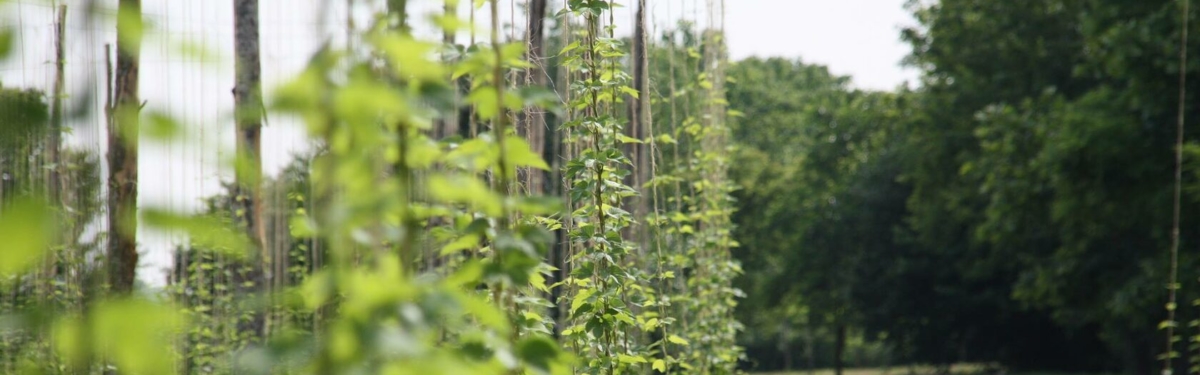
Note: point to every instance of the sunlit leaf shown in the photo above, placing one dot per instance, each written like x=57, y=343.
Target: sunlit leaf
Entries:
x=631, y=359
x=6, y=41
x=27, y=227
x=466, y=190
x=136, y=334
x=659, y=365
x=518, y=154
x=207, y=232
x=677, y=340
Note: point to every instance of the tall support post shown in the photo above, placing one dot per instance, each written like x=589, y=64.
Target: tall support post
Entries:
x=248, y=111
x=534, y=120
x=123, y=151
x=56, y=105
x=639, y=119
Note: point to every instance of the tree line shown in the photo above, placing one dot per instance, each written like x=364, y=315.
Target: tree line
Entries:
x=1014, y=208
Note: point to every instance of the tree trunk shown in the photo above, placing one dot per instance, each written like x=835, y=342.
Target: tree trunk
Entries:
x=639, y=118
x=56, y=105
x=785, y=346
x=123, y=155
x=53, y=147
x=809, y=350
x=560, y=253
x=839, y=349
x=534, y=124
x=248, y=113
x=398, y=8
x=449, y=125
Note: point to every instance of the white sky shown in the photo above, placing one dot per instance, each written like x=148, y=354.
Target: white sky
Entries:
x=859, y=38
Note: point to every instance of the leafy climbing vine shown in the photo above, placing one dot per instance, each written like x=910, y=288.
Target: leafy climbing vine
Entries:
x=603, y=279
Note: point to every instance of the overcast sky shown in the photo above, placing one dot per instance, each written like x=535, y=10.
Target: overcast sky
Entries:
x=859, y=38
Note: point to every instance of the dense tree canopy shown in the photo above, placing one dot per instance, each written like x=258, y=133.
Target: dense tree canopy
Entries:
x=1014, y=208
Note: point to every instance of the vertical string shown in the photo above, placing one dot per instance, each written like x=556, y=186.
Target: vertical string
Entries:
x=1173, y=282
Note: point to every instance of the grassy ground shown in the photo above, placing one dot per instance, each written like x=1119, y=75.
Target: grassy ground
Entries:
x=963, y=369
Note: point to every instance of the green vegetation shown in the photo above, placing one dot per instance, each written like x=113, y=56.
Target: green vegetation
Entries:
x=399, y=245
x=574, y=202
x=956, y=369
x=1014, y=208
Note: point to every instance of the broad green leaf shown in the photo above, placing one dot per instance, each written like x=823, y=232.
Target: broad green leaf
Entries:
x=301, y=226
x=677, y=340
x=540, y=206
x=581, y=298
x=136, y=335
x=570, y=47
x=625, y=358
x=27, y=228
x=6, y=42
x=160, y=126
x=487, y=314
x=466, y=190
x=365, y=100
x=518, y=154
x=659, y=365
x=410, y=57
x=627, y=139
x=629, y=91
x=422, y=153
x=207, y=232
x=539, y=352
x=462, y=243
x=484, y=100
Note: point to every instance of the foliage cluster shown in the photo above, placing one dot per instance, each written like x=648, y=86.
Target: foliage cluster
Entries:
x=399, y=249
x=1015, y=208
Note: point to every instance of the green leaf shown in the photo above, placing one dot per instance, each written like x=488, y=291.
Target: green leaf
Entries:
x=539, y=352
x=625, y=358
x=659, y=365
x=136, y=334
x=27, y=227
x=207, y=232
x=161, y=126
x=677, y=340
x=629, y=91
x=466, y=190
x=539, y=205
x=410, y=57
x=518, y=154
x=6, y=42
x=581, y=298
x=537, y=96
x=300, y=226
x=570, y=47
x=484, y=100
x=487, y=314
x=627, y=139
x=462, y=243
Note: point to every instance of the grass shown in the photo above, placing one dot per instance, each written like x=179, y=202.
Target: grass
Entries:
x=959, y=369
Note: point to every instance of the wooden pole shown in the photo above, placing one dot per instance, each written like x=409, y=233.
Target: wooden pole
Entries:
x=56, y=105
x=534, y=121
x=247, y=95
x=123, y=154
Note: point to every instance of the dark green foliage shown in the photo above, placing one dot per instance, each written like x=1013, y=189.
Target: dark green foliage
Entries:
x=25, y=116
x=1015, y=208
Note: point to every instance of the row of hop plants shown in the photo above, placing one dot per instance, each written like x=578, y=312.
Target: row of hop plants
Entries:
x=399, y=249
